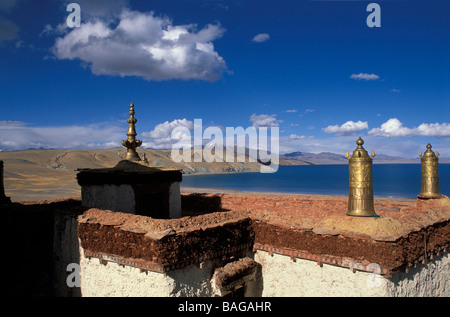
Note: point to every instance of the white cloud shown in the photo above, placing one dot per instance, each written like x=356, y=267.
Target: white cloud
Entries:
x=297, y=137
x=393, y=128
x=144, y=45
x=264, y=120
x=292, y=111
x=161, y=136
x=16, y=135
x=307, y=111
x=259, y=38
x=60, y=29
x=364, y=76
x=11, y=124
x=348, y=128
x=406, y=148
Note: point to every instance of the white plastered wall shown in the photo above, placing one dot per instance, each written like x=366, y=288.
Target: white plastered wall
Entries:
x=284, y=277
x=115, y=280
x=280, y=276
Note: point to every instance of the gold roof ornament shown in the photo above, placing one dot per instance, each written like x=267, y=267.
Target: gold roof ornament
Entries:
x=360, y=198
x=145, y=159
x=430, y=177
x=131, y=143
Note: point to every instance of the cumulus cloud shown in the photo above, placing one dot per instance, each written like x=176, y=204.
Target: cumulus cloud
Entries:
x=348, y=128
x=364, y=76
x=16, y=135
x=167, y=133
x=264, y=120
x=393, y=128
x=259, y=38
x=144, y=45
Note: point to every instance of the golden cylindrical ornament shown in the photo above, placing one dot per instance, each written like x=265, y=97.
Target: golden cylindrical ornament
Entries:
x=430, y=175
x=360, y=197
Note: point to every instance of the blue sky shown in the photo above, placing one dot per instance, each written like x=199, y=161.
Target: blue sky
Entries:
x=312, y=68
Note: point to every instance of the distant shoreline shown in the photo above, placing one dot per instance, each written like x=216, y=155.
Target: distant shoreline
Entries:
x=202, y=190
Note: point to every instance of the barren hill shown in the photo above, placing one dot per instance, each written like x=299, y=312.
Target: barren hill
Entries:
x=47, y=174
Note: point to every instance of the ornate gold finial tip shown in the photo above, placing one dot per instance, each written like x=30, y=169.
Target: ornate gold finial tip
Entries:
x=429, y=146
x=360, y=141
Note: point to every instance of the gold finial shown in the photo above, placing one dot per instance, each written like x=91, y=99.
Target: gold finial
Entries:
x=131, y=143
x=360, y=142
x=145, y=160
x=430, y=177
x=360, y=198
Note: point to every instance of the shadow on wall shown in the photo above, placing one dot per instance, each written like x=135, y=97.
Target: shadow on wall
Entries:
x=40, y=241
x=200, y=204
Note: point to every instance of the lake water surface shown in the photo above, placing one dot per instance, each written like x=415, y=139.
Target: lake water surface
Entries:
x=395, y=180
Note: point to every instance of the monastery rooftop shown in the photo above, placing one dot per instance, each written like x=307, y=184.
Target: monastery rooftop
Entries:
x=309, y=227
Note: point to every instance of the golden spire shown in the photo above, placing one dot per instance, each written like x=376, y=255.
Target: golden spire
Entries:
x=430, y=177
x=360, y=198
x=131, y=143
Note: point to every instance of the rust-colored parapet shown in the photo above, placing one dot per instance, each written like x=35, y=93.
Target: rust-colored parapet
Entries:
x=315, y=228
x=325, y=214
x=355, y=253
x=307, y=227
x=163, y=245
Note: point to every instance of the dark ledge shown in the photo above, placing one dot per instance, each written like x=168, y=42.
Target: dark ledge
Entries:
x=127, y=172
